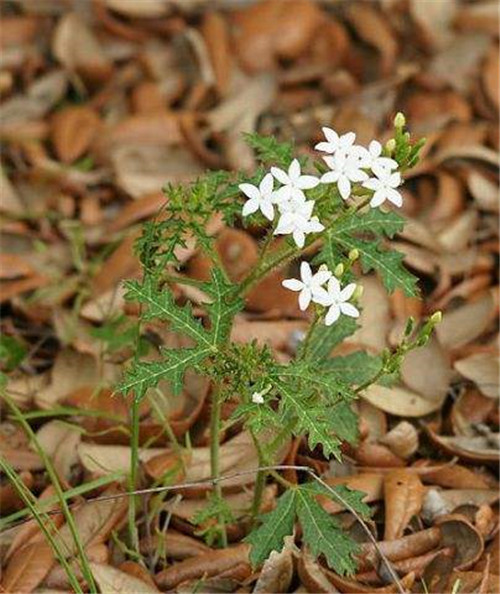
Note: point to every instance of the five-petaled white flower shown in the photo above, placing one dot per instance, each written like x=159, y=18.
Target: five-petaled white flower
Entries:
x=310, y=285
x=294, y=183
x=334, y=142
x=257, y=398
x=376, y=160
x=346, y=168
x=297, y=220
x=259, y=197
x=384, y=187
x=337, y=301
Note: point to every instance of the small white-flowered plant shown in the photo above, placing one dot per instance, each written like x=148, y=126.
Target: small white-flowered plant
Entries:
x=346, y=168
x=259, y=198
x=257, y=398
x=310, y=285
x=334, y=142
x=375, y=158
x=338, y=301
x=297, y=221
x=293, y=183
x=384, y=186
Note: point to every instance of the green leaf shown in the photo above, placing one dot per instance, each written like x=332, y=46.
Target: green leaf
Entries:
x=223, y=308
x=325, y=338
x=355, y=368
x=349, y=498
x=389, y=263
x=343, y=421
x=161, y=304
x=276, y=525
x=374, y=221
x=269, y=150
x=144, y=375
x=312, y=418
x=323, y=535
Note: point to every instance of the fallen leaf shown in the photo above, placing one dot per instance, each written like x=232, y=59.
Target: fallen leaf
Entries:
x=403, y=495
x=28, y=567
x=277, y=572
x=463, y=537
x=73, y=130
x=483, y=369
x=113, y=581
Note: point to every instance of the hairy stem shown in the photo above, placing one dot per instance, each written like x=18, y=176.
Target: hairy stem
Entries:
x=260, y=480
x=215, y=425
x=133, y=475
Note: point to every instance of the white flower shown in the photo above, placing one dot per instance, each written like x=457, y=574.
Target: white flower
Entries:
x=257, y=398
x=337, y=301
x=296, y=219
x=334, y=142
x=375, y=158
x=294, y=183
x=259, y=197
x=384, y=187
x=310, y=285
x=346, y=168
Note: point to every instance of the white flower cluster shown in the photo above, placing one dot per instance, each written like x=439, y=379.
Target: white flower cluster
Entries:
x=349, y=163
x=312, y=288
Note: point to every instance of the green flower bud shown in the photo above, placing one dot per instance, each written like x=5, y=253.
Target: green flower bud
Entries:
x=358, y=291
x=399, y=120
x=436, y=317
x=339, y=270
x=353, y=255
x=390, y=146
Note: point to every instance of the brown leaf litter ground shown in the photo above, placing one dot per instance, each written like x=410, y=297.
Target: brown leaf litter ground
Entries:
x=105, y=102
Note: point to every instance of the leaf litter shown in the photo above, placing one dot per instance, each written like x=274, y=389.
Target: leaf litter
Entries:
x=101, y=107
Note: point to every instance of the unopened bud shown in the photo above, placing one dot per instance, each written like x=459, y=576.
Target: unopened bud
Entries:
x=323, y=268
x=436, y=317
x=353, y=255
x=339, y=270
x=390, y=145
x=358, y=292
x=399, y=120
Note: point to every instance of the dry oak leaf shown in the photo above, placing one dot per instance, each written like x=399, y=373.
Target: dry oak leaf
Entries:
x=483, y=369
x=403, y=494
x=73, y=130
x=114, y=581
x=28, y=567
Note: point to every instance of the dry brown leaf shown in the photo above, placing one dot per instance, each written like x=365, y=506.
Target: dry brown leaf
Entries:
x=402, y=439
x=144, y=9
x=14, y=266
x=435, y=21
x=484, y=190
x=459, y=477
x=179, y=546
x=491, y=76
x=28, y=567
x=470, y=408
x=73, y=130
x=59, y=441
x=277, y=572
x=472, y=449
x=403, y=495
x=483, y=369
x=400, y=401
x=207, y=565
x=312, y=576
x=457, y=532
x=367, y=482
x=113, y=581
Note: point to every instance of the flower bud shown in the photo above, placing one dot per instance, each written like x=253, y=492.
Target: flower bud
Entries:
x=339, y=270
x=390, y=145
x=436, y=317
x=358, y=291
x=353, y=255
x=399, y=120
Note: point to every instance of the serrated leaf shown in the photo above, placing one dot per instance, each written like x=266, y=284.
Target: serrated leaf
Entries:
x=325, y=338
x=144, y=375
x=161, y=304
x=375, y=221
x=269, y=150
x=389, y=263
x=355, y=368
x=312, y=418
x=343, y=422
x=222, y=309
x=323, y=535
x=276, y=525
x=341, y=494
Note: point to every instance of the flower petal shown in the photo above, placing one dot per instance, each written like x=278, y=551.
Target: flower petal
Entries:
x=305, y=272
x=282, y=195
x=294, y=170
x=344, y=186
x=321, y=296
x=347, y=291
x=321, y=277
x=299, y=238
x=348, y=309
x=324, y=147
x=372, y=184
x=285, y=224
x=250, y=190
x=332, y=315
x=306, y=182
x=330, y=177
x=266, y=185
x=293, y=284
x=304, y=299
x=267, y=209
x=375, y=148
x=394, y=196
x=250, y=207
x=314, y=226
x=395, y=179
x=347, y=140
x=378, y=198
x=334, y=287
x=280, y=175
x=330, y=135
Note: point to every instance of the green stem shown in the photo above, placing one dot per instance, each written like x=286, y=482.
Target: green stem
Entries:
x=133, y=475
x=260, y=480
x=84, y=562
x=307, y=340
x=45, y=523
x=215, y=424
